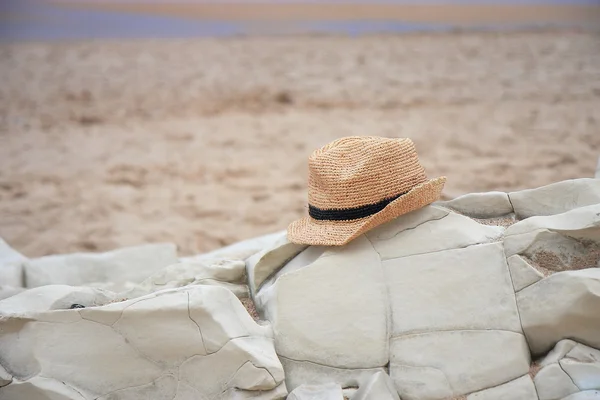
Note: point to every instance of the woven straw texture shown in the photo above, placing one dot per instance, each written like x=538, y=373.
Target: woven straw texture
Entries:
x=357, y=171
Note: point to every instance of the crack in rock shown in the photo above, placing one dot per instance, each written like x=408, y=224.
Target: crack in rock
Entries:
x=329, y=366
x=135, y=387
x=408, y=334
x=430, y=367
x=517, y=304
x=412, y=228
x=195, y=323
x=499, y=240
x=567, y=374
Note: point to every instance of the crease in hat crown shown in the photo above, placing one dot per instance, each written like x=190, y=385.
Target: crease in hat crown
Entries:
x=357, y=183
x=361, y=170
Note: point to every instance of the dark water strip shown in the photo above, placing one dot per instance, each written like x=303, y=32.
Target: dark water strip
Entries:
x=27, y=21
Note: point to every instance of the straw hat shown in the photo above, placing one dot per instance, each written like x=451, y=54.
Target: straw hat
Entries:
x=357, y=183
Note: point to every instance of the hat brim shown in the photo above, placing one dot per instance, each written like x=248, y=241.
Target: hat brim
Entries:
x=337, y=233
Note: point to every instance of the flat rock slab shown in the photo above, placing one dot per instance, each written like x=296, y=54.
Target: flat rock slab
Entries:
x=556, y=198
x=330, y=391
x=456, y=289
x=441, y=365
x=9, y=291
x=480, y=205
x=298, y=373
x=187, y=343
x=378, y=387
x=585, y=395
x=553, y=383
x=118, y=267
x=564, y=305
x=569, y=368
x=345, y=297
x=522, y=273
x=53, y=297
x=229, y=274
x=521, y=388
x=579, y=223
x=429, y=230
x=266, y=262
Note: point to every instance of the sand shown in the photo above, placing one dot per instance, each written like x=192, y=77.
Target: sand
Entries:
x=204, y=142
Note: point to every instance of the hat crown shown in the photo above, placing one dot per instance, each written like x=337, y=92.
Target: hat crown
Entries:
x=356, y=171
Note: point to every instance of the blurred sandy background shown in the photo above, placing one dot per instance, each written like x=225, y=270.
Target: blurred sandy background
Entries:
x=204, y=142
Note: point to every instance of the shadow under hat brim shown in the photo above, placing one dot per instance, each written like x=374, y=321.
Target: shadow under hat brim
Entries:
x=338, y=233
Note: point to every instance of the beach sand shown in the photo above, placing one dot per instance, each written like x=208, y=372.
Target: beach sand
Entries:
x=204, y=142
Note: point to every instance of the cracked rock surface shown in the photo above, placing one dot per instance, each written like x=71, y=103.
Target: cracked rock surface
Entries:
x=521, y=388
x=569, y=368
x=227, y=273
x=564, y=305
x=378, y=387
x=428, y=294
x=556, y=198
x=186, y=343
x=330, y=391
x=448, y=305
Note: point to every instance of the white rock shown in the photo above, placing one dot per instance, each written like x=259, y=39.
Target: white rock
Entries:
x=317, y=319
x=266, y=262
x=130, y=264
x=522, y=273
x=408, y=221
x=553, y=251
x=556, y=198
x=303, y=372
x=427, y=230
x=457, y=289
x=40, y=388
x=8, y=291
x=5, y=377
x=480, y=205
x=237, y=251
x=558, y=352
x=559, y=242
x=229, y=274
x=552, y=383
x=320, y=312
x=437, y=365
x=378, y=387
x=301, y=260
x=580, y=223
x=53, y=297
x=331, y=391
x=11, y=266
x=564, y=305
x=586, y=395
x=280, y=392
x=579, y=362
x=186, y=343
x=521, y=388
x=582, y=364
x=597, y=174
